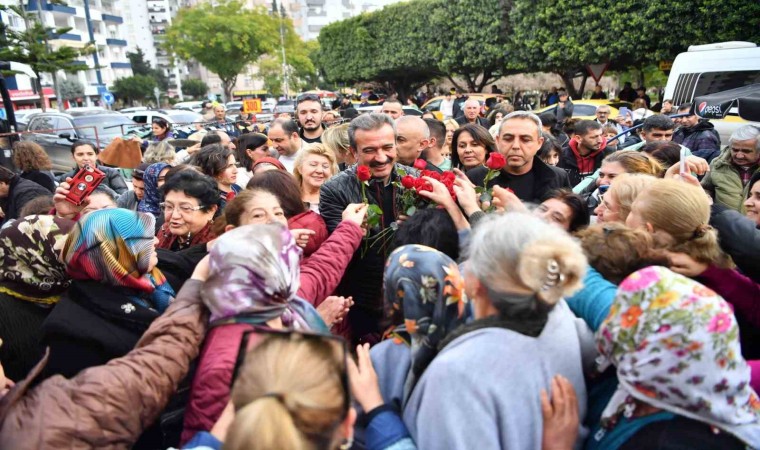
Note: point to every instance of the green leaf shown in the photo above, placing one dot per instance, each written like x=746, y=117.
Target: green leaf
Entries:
x=373, y=209
x=411, y=210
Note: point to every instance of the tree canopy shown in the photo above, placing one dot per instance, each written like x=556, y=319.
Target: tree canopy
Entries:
x=195, y=88
x=478, y=41
x=138, y=87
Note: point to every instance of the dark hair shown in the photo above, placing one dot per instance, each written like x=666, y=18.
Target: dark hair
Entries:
x=550, y=143
x=282, y=185
x=181, y=168
x=6, y=175
x=212, y=159
x=666, y=152
x=212, y=137
x=479, y=134
x=569, y=126
x=685, y=106
x=548, y=119
x=37, y=206
x=576, y=204
x=163, y=123
x=195, y=185
x=583, y=127
x=437, y=131
x=432, y=227
x=82, y=143
x=658, y=121
x=308, y=98
x=289, y=126
x=139, y=171
x=248, y=141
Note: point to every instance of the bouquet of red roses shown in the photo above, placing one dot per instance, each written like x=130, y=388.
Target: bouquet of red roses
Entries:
x=409, y=200
x=494, y=163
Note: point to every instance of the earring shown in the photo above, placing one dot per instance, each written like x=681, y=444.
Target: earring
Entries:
x=347, y=444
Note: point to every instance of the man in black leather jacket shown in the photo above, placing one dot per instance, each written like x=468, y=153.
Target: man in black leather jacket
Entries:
x=372, y=139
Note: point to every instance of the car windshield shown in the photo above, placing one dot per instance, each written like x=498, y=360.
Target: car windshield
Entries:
x=107, y=125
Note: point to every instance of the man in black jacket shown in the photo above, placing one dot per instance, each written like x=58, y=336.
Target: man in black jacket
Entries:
x=584, y=152
x=15, y=192
x=698, y=135
x=372, y=139
x=472, y=114
x=519, y=140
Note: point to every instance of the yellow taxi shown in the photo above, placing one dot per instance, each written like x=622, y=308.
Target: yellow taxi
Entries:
x=486, y=102
x=586, y=109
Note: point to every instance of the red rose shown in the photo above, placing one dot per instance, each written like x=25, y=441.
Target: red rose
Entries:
x=422, y=185
x=420, y=164
x=448, y=177
x=408, y=182
x=496, y=161
x=363, y=173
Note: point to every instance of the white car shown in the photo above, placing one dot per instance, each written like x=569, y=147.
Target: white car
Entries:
x=196, y=106
x=173, y=116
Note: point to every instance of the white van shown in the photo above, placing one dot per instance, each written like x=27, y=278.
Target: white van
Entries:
x=711, y=68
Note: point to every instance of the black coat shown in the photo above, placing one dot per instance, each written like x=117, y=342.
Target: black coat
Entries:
x=569, y=163
x=44, y=179
x=92, y=324
x=20, y=324
x=483, y=122
x=363, y=278
x=20, y=192
x=546, y=179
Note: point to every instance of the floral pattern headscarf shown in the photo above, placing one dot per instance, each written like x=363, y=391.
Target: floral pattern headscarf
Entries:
x=428, y=288
x=254, y=275
x=152, y=197
x=675, y=344
x=113, y=246
x=29, y=265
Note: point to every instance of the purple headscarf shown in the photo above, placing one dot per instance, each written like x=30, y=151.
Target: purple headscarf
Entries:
x=254, y=276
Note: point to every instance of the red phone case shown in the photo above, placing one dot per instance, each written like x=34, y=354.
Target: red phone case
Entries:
x=83, y=183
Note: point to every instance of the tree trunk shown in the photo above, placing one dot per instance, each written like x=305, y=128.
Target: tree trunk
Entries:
x=456, y=85
x=487, y=78
x=567, y=78
x=583, y=86
x=641, y=77
x=57, y=90
x=38, y=86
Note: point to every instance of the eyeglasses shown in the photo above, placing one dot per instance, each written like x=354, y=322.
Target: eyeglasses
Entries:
x=183, y=209
x=336, y=345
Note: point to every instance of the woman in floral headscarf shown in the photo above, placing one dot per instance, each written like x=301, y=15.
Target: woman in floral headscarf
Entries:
x=32, y=280
x=116, y=293
x=681, y=377
x=254, y=277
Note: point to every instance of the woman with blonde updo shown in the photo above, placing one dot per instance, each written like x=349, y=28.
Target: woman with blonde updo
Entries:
x=523, y=334
x=336, y=139
x=677, y=215
x=290, y=394
x=616, y=203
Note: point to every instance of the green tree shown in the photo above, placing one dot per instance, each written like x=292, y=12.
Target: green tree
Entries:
x=31, y=47
x=562, y=36
x=469, y=42
x=299, y=66
x=142, y=67
x=71, y=89
x=225, y=38
x=195, y=87
x=137, y=87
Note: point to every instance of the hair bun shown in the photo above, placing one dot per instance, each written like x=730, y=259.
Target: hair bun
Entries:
x=551, y=269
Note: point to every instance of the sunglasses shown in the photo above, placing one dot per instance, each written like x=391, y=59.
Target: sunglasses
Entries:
x=336, y=345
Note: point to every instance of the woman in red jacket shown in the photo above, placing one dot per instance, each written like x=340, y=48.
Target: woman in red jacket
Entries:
x=257, y=279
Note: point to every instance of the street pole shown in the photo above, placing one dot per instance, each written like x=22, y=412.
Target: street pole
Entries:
x=54, y=75
x=282, y=46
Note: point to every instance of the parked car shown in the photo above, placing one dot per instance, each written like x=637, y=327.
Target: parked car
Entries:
x=133, y=109
x=586, y=109
x=55, y=131
x=196, y=106
x=285, y=106
x=173, y=116
x=22, y=115
x=408, y=110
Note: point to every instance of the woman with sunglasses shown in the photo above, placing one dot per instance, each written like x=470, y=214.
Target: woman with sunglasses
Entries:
x=254, y=281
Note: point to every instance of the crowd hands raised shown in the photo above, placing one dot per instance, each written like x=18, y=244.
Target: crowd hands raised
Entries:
x=392, y=283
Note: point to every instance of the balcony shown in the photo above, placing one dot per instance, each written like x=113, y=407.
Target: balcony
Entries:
x=116, y=42
x=121, y=65
x=112, y=18
x=32, y=6
x=66, y=37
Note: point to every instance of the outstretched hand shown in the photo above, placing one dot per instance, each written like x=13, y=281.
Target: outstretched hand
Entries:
x=561, y=420
x=64, y=208
x=363, y=380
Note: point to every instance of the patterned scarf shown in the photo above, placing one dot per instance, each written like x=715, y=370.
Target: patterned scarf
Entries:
x=675, y=344
x=427, y=287
x=152, y=197
x=166, y=239
x=254, y=275
x=114, y=247
x=29, y=265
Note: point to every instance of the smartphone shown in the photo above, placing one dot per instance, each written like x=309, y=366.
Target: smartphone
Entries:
x=683, y=168
x=83, y=183
x=624, y=111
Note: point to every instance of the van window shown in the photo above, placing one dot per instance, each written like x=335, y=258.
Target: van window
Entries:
x=692, y=85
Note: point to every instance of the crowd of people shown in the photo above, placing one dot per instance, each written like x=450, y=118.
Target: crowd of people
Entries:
x=394, y=282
